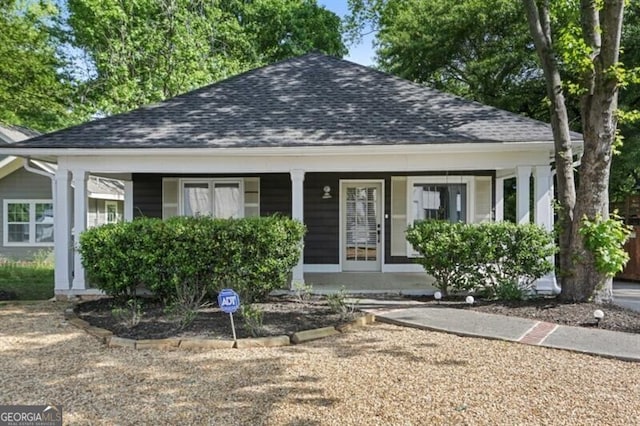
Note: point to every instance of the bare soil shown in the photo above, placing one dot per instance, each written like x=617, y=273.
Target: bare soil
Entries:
x=282, y=315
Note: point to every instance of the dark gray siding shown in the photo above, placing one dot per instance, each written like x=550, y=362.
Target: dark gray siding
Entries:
x=322, y=217
x=147, y=195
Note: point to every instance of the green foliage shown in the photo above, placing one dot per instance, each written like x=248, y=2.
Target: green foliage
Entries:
x=130, y=313
x=446, y=252
x=338, y=304
x=119, y=258
x=33, y=91
x=605, y=239
x=302, y=292
x=488, y=257
x=478, y=49
x=148, y=50
x=31, y=280
x=252, y=316
x=183, y=259
x=509, y=290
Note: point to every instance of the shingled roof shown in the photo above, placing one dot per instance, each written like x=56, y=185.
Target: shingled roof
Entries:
x=311, y=100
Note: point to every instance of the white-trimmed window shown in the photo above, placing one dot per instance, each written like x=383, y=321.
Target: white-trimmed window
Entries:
x=28, y=223
x=439, y=198
x=222, y=198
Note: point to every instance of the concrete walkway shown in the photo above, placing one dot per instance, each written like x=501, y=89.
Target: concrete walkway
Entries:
x=627, y=294
x=612, y=344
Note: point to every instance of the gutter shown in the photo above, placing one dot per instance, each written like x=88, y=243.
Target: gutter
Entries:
x=29, y=168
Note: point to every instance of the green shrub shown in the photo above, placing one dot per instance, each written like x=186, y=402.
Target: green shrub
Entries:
x=605, y=239
x=252, y=316
x=513, y=255
x=338, y=304
x=499, y=259
x=446, y=252
x=129, y=313
x=183, y=259
x=118, y=258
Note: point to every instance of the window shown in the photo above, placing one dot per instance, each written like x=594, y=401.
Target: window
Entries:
x=439, y=202
x=438, y=198
x=28, y=223
x=222, y=198
x=111, y=212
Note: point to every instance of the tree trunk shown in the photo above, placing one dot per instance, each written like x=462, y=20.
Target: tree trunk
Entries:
x=578, y=275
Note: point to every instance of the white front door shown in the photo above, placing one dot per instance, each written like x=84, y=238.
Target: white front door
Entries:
x=361, y=206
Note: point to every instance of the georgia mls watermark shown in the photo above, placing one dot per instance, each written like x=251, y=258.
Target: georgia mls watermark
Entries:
x=30, y=415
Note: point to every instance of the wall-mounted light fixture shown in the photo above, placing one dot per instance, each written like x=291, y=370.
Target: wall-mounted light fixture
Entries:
x=327, y=192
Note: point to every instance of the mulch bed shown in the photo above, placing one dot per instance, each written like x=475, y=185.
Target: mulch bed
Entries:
x=551, y=310
x=285, y=316
x=281, y=316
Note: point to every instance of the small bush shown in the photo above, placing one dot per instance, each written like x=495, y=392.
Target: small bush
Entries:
x=252, y=316
x=183, y=259
x=338, y=304
x=446, y=252
x=129, y=314
x=605, y=239
x=498, y=259
x=302, y=293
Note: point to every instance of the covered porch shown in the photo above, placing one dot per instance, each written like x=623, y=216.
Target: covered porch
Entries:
x=392, y=273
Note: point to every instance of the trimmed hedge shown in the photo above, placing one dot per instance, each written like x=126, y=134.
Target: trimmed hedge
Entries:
x=498, y=259
x=198, y=255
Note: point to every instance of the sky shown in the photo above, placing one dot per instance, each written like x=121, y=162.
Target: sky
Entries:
x=362, y=53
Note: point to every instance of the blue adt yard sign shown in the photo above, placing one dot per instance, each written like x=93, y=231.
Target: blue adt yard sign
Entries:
x=228, y=300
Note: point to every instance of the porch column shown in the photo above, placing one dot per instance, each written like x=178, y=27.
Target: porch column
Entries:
x=79, y=224
x=543, y=192
x=543, y=184
x=523, y=173
x=128, y=201
x=499, y=212
x=297, y=212
x=62, y=230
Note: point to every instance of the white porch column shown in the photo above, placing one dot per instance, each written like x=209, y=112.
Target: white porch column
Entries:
x=62, y=230
x=523, y=173
x=297, y=212
x=79, y=224
x=499, y=213
x=543, y=194
x=543, y=191
x=128, y=201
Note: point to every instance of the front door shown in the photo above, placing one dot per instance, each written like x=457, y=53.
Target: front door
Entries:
x=361, y=226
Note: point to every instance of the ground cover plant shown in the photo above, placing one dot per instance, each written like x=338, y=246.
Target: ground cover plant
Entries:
x=26, y=280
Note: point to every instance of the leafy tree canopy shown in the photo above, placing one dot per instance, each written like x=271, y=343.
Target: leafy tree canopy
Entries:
x=148, y=50
x=33, y=90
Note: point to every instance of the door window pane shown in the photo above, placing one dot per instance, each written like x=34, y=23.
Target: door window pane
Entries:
x=361, y=223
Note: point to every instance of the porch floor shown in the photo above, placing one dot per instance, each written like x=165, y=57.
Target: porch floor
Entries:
x=370, y=282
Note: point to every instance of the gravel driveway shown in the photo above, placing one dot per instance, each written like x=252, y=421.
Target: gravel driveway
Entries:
x=381, y=374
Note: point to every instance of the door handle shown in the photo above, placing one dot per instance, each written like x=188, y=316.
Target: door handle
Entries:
x=378, y=232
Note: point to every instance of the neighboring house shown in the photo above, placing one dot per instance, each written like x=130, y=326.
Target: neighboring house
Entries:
x=354, y=153
x=26, y=201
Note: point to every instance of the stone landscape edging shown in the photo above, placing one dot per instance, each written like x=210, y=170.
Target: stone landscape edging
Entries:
x=109, y=339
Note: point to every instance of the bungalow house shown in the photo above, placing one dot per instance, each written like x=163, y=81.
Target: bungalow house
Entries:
x=26, y=205
x=354, y=153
